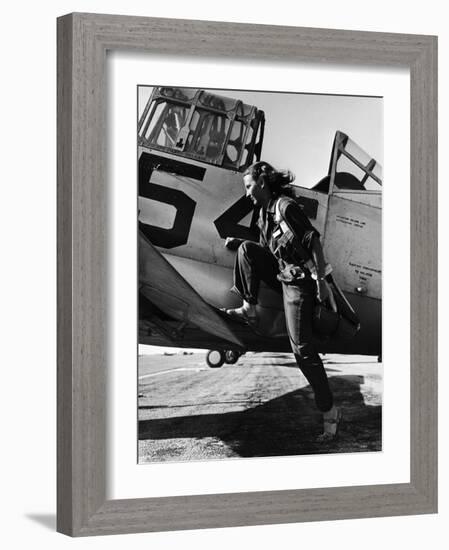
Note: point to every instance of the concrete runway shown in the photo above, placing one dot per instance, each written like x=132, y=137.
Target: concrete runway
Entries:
x=261, y=406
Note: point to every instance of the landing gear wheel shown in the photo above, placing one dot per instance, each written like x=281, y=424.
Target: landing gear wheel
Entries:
x=231, y=357
x=215, y=358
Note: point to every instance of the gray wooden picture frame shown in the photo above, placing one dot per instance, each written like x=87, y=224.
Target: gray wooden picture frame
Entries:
x=83, y=40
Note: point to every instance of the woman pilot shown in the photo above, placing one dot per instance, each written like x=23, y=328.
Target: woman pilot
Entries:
x=288, y=258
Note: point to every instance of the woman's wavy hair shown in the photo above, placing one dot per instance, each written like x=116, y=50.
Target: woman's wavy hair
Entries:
x=278, y=181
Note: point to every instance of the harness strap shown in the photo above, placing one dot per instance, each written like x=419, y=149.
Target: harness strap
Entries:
x=289, y=235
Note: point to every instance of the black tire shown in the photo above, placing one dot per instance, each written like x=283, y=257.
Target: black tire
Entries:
x=231, y=357
x=215, y=358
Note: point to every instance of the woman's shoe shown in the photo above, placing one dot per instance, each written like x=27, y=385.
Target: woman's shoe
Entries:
x=245, y=314
x=242, y=316
x=331, y=421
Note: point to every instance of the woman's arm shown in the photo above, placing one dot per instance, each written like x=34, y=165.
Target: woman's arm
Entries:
x=318, y=257
x=320, y=265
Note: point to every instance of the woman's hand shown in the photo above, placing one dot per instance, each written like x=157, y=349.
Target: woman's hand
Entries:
x=232, y=243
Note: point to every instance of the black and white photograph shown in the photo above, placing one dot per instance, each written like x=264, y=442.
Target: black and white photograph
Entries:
x=220, y=293
x=260, y=269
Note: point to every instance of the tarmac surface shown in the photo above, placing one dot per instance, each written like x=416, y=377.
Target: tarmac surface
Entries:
x=261, y=406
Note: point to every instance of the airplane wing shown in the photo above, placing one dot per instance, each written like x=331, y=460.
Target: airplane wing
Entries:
x=169, y=297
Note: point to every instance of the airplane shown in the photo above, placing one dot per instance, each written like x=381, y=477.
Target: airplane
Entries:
x=193, y=147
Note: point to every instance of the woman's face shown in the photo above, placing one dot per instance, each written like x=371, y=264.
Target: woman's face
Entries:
x=254, y=190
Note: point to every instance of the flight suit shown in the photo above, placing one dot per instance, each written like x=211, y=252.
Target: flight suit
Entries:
x=276, y=261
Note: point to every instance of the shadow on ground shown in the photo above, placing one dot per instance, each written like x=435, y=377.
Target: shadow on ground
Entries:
x=287, y=425
x=46, y=520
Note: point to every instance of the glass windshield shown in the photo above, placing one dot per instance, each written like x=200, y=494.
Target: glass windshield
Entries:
x=203, y=126
x=164, y=123
x=354, y=161
x=207, y=135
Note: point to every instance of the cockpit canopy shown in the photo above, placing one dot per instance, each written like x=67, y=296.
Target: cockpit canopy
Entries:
x=350, y=169
x=203, y=126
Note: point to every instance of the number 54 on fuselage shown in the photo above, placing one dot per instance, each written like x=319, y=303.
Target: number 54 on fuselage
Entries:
x=193, y=148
